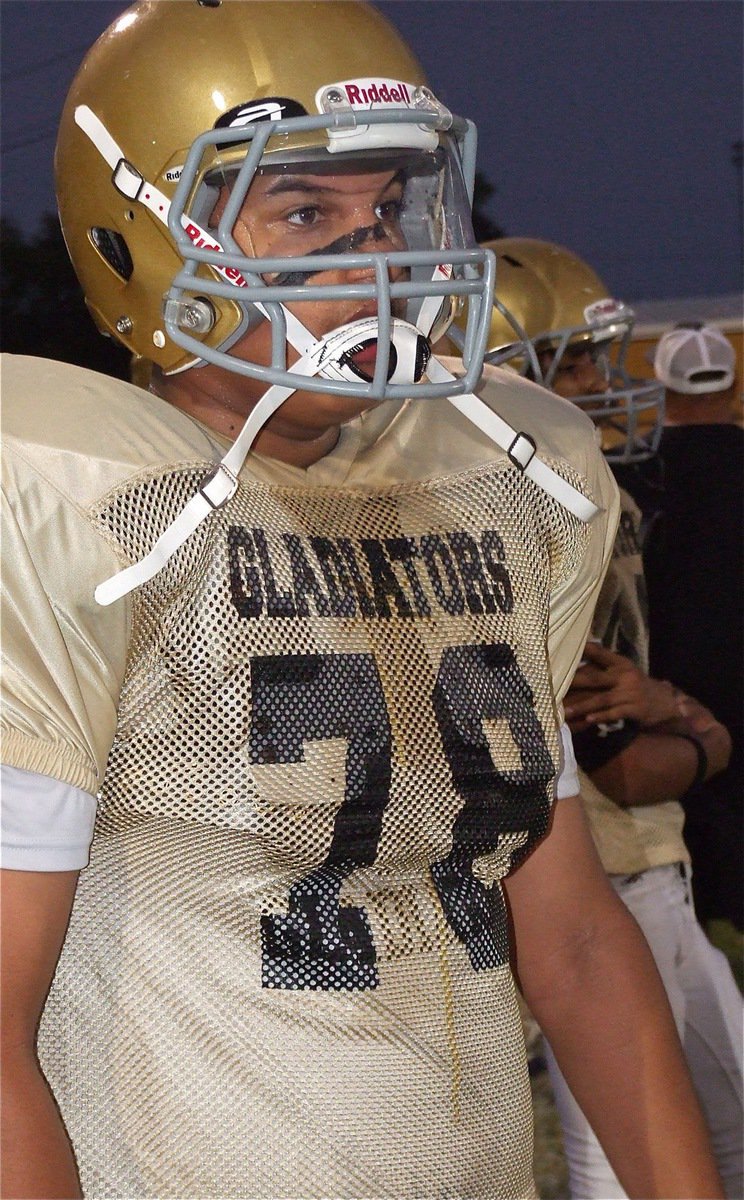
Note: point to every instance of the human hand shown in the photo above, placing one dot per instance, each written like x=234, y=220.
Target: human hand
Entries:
x=608, y=687
x=692, y=717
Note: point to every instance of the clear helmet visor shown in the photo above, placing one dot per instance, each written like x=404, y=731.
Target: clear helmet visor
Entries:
x=369, y=251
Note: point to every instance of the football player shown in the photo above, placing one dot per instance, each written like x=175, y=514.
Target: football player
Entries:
x=641, y=744
x=298, y=622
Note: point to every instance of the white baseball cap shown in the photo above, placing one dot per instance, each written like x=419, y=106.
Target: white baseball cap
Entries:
x=695, y=359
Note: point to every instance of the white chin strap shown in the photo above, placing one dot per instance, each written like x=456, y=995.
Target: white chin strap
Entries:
x=330, y=357
x=222, y=482
x=324, y=357
x=520, y=448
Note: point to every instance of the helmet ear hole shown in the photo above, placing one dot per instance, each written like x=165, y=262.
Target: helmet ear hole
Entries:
x=111, y=246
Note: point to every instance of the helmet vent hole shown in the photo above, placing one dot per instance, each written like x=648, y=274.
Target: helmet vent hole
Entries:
x=111, y=246
x=513, y=262
x=209, y=3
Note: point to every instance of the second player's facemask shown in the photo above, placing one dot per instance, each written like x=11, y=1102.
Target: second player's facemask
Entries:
x=549, y=307
x=628, y=412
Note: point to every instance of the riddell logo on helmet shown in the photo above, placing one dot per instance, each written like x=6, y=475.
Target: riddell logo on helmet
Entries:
x=199, y=238
x=377, y=91
x=603, y=309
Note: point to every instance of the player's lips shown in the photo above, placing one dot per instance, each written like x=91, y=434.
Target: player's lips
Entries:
x=367, y=354
x=363, y=356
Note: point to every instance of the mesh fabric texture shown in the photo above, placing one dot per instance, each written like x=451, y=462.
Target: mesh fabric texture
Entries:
x=287, y=962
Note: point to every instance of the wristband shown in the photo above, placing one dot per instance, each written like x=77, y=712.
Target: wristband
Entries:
x=702, y=763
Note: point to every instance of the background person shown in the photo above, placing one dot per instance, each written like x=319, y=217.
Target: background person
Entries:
x=641, y=743
x=694, y=566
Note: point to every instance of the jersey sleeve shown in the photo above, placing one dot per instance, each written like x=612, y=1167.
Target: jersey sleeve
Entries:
x=567, y=440
x=574, y=596
x=63, y=656
x=567, y=779
x=46, y=825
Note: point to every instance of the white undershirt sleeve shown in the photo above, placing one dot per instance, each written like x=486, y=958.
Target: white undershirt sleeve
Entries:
x=567, y=779
x=46, y=825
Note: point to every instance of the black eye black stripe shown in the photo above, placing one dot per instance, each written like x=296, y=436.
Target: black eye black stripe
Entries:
x=346, y=244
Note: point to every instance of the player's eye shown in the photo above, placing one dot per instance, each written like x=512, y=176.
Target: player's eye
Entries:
x=390, y=210
x=306, y=216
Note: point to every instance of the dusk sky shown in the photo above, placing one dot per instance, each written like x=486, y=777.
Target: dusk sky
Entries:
x=604, y=125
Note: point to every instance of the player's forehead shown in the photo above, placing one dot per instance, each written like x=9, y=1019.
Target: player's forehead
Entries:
x=340, y=185
x=572, y=353
x=579, y=351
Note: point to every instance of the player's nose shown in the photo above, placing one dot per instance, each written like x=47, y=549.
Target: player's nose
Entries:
x=594, y=381
x=370, y=239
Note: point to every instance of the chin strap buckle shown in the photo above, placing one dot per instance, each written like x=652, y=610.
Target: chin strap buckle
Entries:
x=219, y=486
x=522, y=451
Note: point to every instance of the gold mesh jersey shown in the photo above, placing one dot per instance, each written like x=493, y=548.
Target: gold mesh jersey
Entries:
x=629, y=840
x=322, y=735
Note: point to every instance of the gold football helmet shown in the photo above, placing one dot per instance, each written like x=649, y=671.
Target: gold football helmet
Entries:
x=548, y=299
x=177, y=105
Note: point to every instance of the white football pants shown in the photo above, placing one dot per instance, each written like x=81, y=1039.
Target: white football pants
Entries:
x=708, y=1012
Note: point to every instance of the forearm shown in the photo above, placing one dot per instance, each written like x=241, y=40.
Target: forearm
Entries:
x=611, y=691
x=612, y=1032
x=37, y=1158
x=660, y=765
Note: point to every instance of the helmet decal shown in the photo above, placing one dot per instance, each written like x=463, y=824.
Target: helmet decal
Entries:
x=273, y=108
x=605, y=309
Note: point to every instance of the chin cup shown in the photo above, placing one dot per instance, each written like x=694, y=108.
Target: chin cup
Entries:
x=409, y=352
